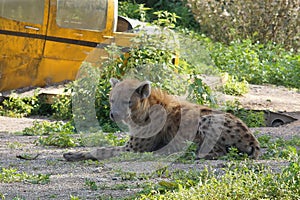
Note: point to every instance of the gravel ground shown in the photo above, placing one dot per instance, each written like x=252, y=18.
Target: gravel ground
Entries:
x=68, y=178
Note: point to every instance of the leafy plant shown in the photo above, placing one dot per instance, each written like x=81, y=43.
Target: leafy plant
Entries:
x=53, y=133
x=46, y=128
x=91, y=184
x=200, y=92
x=74, y=197
x=242, y=180
x=279, y=148
x=177, y=7
x=103, y=139
x=129, y=9
x=62, y=107
x=16, y=106
x=9, y=175
x=61, y=139
x=257, y=63
x=251, y=118
x=234, y=87
x=234, y=154
x=189, y=155
x=165, y=19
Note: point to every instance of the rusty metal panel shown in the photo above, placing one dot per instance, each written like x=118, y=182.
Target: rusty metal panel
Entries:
x=21, y=44
x=56, y=70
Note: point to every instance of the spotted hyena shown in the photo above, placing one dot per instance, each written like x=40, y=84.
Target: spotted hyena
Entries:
x=161, y=123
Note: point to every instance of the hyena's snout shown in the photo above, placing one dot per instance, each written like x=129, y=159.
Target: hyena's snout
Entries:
x=117, y=116
x=113, y=115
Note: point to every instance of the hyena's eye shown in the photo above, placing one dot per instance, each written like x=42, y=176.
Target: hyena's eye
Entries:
x=128, y=103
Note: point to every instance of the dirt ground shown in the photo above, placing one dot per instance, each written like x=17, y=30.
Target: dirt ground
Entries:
x=68, y=178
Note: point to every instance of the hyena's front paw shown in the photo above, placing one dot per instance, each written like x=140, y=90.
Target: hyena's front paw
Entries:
x=77, y=156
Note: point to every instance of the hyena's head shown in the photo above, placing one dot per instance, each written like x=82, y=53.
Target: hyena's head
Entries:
x=126, y=97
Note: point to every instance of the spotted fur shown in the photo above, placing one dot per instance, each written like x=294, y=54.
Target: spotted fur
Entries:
x=161, y=123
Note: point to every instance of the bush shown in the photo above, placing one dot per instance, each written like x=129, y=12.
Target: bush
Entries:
x=261, y=20
x=234, y=87
x=136, y=8
x=62, y=107
x=16, y=106
x=150, y=58
x=257, y=63
x=251, y=118
x=240, y=181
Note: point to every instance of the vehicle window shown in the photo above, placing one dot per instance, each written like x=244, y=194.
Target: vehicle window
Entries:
x=26, y=11
x=78, y=14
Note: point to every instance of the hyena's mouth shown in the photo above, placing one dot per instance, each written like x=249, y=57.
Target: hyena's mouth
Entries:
x=120, y=119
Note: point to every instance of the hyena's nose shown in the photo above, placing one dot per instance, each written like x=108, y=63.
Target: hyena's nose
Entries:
x=111, y=115
x=114, y=115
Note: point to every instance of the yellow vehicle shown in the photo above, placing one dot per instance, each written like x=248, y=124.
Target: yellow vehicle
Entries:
x=45, y=41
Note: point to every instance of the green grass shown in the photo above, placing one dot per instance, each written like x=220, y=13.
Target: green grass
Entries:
x=234, y=87
x=279, y=148
x=91, y=184
x=10, y=175
x=241, y=181
x=249, y=117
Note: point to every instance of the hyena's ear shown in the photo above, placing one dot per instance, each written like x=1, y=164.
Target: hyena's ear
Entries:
x=144, y=90
x=114, y=81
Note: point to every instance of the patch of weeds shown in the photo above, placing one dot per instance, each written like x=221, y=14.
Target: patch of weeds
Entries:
x=264, y=140
x=62, y=107
x=74, y=197
x=93, y=162
x=16, y=106
x=199, y=92
x=2, y=196
x=190, y=154
x=53, y=133
x=119, y=186
x=11, y=175
x=14, y=145
x=236, y=182
x=62, y=134
x=53, y=196
x=61, y=139
x=173, y=181
x=107, y=197
x=46, y=128
x=251, y=118
x=274, y=151
x=131, y=176
x=39, y=179
x=91, y=184
x=126, y=176
x=234, y=87
x=258, y=63
x=51, y=162
x=279, y=148
x=234, y=154
x=109, y=127
x=103, y=139
x=289, y=153
x=295, y=141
